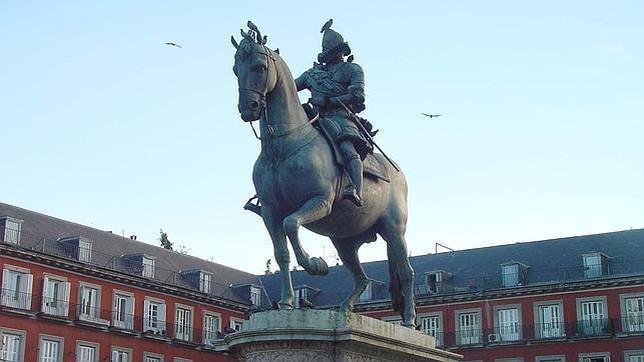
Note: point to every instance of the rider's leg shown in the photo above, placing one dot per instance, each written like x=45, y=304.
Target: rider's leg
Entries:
x=353, y=165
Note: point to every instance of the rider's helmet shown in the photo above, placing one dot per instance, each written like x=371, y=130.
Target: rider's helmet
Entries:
x=332, y=43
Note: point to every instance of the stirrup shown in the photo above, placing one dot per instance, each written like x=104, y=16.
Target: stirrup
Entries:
x=253, y=207
x=351, y=193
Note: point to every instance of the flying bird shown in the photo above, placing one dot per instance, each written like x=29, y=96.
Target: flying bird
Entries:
x=173, y=44
x=430, y=115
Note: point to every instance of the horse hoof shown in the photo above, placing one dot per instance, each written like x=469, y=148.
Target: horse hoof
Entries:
x=319, y=267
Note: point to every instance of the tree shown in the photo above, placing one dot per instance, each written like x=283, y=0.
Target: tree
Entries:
x=164, y=241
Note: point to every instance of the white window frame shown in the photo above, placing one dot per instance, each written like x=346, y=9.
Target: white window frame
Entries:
x=585, y=357
x=510, y=275
x=17, y=296
x=300, y=293
x=508, y=330
x=551, y=358
x=147, y=268
x=123, y=317
x=634, y=355
x=553, y=328
x=55, y=295
x=11, y=235
x=80, y=344
x=84, y=250
x=255, y=295
x=152, y=357
x=470, y=335
x=183, y=322
x=160, y=327
x=210, y=333
x=22, y=336
x=593, y=264
x=433, y=327
x=236, y=323
x=205, y=282
x=60, y=346
x=632, y=321
x=91, y=312
x=591, y=326
x=115, y=351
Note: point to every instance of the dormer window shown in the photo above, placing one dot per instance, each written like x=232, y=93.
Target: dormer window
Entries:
x=78, y=247
x=255, y=295
x=595, y=264
x=367, y=294
x=10, y=229
x=148, y=267
x=513, y=274
x=437, y=281
x=305, y=293
x=205, y=281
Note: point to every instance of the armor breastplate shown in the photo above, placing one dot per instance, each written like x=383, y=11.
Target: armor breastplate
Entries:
x=327, y=82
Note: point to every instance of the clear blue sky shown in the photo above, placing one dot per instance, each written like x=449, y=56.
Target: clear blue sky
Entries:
x=541, y=133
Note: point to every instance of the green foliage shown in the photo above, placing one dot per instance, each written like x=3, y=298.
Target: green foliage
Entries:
x=164, y=241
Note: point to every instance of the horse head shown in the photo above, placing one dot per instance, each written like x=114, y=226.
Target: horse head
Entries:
x=256, y=72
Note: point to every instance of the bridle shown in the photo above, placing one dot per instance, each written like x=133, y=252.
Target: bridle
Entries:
x=262, y=97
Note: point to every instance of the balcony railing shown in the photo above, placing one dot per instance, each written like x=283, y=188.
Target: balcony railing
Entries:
x=15, y=299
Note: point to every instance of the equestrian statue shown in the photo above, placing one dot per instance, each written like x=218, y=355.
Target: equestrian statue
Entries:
x=317, y=167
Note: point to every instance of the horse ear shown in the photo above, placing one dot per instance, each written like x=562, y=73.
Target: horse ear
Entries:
x=277, y=50
x=234, y=42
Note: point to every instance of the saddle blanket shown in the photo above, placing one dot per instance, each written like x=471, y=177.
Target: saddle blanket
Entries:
x=375, y=167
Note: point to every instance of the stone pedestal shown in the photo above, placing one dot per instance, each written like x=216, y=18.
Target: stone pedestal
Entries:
x=325, y=336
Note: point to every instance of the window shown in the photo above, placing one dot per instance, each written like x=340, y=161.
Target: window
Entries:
x=634, y=356
x=366, y=295
x=89, y=303
x=151, y=357
x=434, y=281
x=123, y=312
x=121, y=355
x=86, y=352
x=154, y=316
x=148, y=267
x=183, y=326
x=510, y=275
x=255, y=295
x=55, y=298
x=12, y=347
x=431, y=326
x=593, y=320
x=469, y=327
x=594, y=357
x=205, y=281
x=633, y=313
x=393, y=320
x=16, y=288
x=595, y=265
x=211, y=328
x=549, y=321
x=50, y=349
x=301, y=293
x=236, y=324
x=559, y=358
x=10, y=230
x=84, y=250
x=507, y=324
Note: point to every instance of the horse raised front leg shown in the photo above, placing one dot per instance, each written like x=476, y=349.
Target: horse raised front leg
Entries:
x=280, y=248
x=312, y=210
x=348, y=253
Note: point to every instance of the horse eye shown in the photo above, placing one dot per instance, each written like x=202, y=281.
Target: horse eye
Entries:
x=259, y=68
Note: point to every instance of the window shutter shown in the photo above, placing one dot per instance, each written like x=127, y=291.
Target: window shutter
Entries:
x=115, y=356
x=5, y=278
x=146, y=315
x=45, y=295
x=162, y=317
x=65, y=304
x=27, y=290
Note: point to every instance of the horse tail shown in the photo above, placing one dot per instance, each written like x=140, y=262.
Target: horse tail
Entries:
x=395, y=288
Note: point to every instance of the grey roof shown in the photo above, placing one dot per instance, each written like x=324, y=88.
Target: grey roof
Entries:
x=548, y=261
x=41, y=232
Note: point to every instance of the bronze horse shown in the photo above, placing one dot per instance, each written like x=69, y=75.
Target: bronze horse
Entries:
x=298, y=183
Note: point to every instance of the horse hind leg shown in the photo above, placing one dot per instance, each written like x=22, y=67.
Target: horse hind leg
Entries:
x=348, y=253
x=394, y=234
x=312, y=210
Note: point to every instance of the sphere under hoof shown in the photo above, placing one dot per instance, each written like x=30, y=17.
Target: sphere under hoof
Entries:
x=319, y=266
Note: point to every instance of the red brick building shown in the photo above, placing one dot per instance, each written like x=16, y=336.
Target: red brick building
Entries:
x=569, y=299
x=74, y=293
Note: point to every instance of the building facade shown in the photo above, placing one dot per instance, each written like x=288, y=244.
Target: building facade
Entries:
x=570, y=299
x=73, y=293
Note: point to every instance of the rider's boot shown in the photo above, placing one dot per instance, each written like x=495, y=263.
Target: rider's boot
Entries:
x=353, y=191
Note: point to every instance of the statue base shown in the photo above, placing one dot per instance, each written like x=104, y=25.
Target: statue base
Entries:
x=326, y=335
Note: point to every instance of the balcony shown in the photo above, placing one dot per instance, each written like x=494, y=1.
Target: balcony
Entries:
x=13, y=299
x=90, y=315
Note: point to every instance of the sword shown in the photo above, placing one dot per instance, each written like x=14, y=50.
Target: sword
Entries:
x=356, y=119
